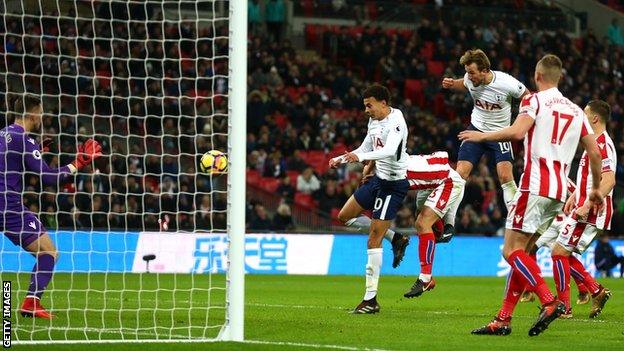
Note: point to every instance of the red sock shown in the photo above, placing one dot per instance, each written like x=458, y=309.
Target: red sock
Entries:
x=578, y=271
x=533, y=255
x=582, y=289
x=438, y=227
x=513, y=289
x=561, y=271
x=426, y=250
x=528, y=287
x=530, y=273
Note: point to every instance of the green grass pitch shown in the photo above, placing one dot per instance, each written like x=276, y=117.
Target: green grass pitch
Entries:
x=303, y=313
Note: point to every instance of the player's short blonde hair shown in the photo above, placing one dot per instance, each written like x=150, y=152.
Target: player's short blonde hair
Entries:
x=477, y=57
x=550, y=66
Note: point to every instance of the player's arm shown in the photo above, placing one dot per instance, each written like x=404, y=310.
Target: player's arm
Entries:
x=33, y=162
x=595, y=158
x=595, y=196
x=368, y=171
x=607, y=171
x=454, y=84
x=607, y=183
x=87, y=152
x=569, y=205
x=515, y=132
x=367, y=145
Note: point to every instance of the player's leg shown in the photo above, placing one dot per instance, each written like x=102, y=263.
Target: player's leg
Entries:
x=547, y=239
x=351, y=215
x=388, y=200
x=45, y=255
x=508, y=184
x=26, y=230
x=450, y=215
x=426, y=251
x=529, y=214
x=533, y=245
x=503, y=155
x=464, y=168
x=514, y=242
x=468, y=155
x=599, y=294
x=375, y=252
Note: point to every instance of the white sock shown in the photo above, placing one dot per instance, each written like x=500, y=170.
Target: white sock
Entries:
x=389, y=235
x=362, y=223
x=373, y=267
x=425, y=277
x=509, y=191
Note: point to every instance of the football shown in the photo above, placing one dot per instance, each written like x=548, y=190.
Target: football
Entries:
x=213, y=162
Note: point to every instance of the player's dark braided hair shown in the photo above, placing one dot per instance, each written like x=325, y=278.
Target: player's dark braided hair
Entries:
x=377, y=91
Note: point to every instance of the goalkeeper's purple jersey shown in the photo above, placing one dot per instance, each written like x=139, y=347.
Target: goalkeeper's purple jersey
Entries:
x=21, y=154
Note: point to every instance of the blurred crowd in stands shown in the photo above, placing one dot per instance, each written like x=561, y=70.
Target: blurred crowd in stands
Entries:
x=158, y=103
x=151, y=92
x=312, y=98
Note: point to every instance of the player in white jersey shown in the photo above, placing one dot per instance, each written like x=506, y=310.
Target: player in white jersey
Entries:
x=582, y=225
x=385, y=143
x=551, y=126
x=492, y=93
x=440, y=190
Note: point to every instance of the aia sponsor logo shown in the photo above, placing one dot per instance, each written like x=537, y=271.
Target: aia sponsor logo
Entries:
x=489, y=106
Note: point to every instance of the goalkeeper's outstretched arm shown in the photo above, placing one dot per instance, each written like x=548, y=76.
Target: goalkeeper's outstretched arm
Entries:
x=87, y=152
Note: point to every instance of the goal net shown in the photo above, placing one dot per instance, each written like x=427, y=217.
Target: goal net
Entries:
x=147, y=248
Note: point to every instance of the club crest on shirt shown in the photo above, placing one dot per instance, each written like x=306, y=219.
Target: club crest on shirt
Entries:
x=36, y=154
x=500, y=98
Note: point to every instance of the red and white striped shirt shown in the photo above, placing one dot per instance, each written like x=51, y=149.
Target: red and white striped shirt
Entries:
x=551, y=142
x=428, y=171
x=584, y=180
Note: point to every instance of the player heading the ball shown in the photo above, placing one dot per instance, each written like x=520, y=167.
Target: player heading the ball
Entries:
x=492, y=93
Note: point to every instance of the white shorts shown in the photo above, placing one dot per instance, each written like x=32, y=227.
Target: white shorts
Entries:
x=445, y=197
x=576, y=236
x=549, y=237
x=532, y=213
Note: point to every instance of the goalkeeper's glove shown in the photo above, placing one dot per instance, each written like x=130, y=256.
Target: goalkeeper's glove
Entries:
x=87, y=153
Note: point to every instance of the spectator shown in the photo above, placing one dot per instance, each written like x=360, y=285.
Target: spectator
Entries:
x=283, y=218
x=307, y=182
x=286, y=190
x=606, y=258
x=275, y=166
x=261, y=220
x=253, y=16
x=465, y=225
x=296, y=162
x=614, y=33
x=275, y=16
x=330, y=197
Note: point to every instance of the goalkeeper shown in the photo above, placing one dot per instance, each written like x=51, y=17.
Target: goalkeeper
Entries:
x=19, y=154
